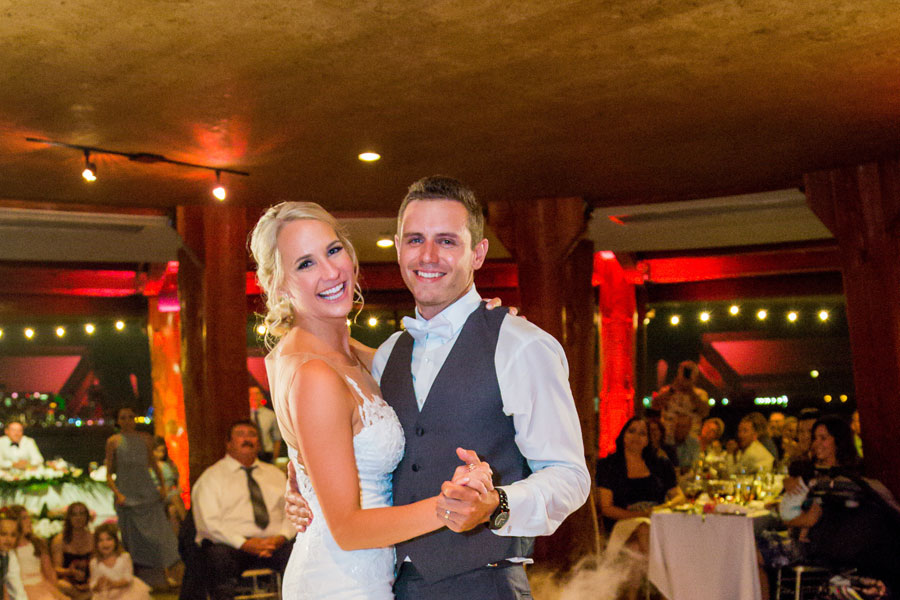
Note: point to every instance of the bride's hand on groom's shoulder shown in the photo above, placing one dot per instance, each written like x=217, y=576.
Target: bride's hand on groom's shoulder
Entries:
x=295, y=506
x=496, y=302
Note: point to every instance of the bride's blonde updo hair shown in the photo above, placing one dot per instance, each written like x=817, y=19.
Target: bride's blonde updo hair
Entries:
x=264, y=248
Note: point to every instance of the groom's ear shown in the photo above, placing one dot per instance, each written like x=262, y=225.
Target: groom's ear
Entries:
x=480, y=250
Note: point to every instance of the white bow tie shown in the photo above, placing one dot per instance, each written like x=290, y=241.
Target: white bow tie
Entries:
x=438, y=327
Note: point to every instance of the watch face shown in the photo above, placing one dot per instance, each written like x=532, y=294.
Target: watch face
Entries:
x=500, y=520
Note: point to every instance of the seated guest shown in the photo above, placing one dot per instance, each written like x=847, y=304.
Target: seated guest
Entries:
x=776, y=424
x=35, y=566
x=112, y=572
x=657, y=439
x=790, y=448
x=10, y=575
x=847, y=521
x=245, y=527
x=761, y=425
x=17, y=450
x=710, y=434
x=748, y=454
x=632, y=481
x=71, y=551
x=687, y=446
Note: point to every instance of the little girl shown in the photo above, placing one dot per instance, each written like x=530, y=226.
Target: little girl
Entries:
x=36, y=569
x=112, y=574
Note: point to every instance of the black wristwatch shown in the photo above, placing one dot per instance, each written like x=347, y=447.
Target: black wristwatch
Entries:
x=501, y=514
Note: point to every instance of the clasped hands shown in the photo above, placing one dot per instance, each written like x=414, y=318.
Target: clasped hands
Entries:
x=263, y=547
x=467, y=500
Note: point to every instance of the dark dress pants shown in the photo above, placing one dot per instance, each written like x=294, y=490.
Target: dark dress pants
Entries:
x=222, y=566
x=503, y=582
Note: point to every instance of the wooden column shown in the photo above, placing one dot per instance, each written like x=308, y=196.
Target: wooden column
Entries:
x=168, y=392
x=861, y=207
x=212, y=293
x=555, y=268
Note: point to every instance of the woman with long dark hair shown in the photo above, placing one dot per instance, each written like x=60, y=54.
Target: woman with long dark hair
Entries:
x=71, y=551
x=631, y=482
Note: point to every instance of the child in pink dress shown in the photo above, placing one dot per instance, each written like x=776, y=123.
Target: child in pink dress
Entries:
x=112, y=573
x=35, y=566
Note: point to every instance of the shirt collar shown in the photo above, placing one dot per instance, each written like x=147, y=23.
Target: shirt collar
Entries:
x=234, y=465
x=457, y=313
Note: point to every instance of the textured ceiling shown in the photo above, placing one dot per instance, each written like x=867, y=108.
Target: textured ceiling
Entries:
x=617, y=101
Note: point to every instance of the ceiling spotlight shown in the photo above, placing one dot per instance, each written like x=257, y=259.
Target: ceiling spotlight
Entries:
x=734, y=310
x=369, y=156
x=384, y=242
x=792, y=316
x=120, y=325
x=29, y=332
x=823, y=315
x=704, y=316
x=373, y=321
x=761, y=314
x=843, y=397
x=827, y=398
x=89, y=328
x=60, y=331
x=675, y=320
x=90, y=169
x=219, y=191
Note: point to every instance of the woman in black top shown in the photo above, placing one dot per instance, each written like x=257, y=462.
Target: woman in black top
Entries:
x=633, y=480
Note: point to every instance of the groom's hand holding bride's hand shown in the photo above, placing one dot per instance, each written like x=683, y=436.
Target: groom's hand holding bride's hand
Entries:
x=469, y=499
x=295, y=505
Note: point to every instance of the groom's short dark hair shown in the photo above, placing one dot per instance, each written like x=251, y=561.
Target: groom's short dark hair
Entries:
x=439, y=187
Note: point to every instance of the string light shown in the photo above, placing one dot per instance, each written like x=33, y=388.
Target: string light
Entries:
x=373, y=321
x=261, y=329
x=843, y=397
x=704, y=316
x=60, y=332
x=827, y=398
x=761, y=314
x=29, y=332
x=814, y=373
x=675, y=320
x=734, y=310
x=792, y=316
x=1, y=334
x=89, y=328
x=823, y=315
x=120, y=325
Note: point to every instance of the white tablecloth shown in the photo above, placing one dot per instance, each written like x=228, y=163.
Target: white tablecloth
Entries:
x=97, y=496
x=712, y=557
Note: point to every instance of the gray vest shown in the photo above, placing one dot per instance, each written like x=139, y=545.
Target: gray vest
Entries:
x=463, y=409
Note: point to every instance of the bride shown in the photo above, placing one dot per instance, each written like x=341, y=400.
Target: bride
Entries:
x=343, y=439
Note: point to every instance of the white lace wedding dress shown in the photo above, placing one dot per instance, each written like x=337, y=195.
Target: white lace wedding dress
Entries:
x=318, y=568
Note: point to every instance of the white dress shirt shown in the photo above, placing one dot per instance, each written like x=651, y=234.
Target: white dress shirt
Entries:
x=26, y=450
x=534, y=385
x=221, y=503
x=752, y=458
x=15, y=590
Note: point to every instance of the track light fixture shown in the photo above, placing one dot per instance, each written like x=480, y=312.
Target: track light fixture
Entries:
x=219, y=191
x=90, y=169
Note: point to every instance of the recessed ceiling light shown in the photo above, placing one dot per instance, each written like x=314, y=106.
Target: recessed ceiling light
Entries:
x=369, y=156
x=384, y=242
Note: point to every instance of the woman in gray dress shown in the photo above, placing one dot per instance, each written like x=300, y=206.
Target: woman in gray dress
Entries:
x=146, y=532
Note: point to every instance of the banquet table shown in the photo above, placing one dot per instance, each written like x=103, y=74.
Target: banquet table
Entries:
x=703, y=557
x=48, y=494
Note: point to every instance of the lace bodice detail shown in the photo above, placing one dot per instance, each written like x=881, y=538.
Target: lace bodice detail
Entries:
x=318, y=568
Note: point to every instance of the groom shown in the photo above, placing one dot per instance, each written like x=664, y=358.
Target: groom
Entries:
x=464, y=376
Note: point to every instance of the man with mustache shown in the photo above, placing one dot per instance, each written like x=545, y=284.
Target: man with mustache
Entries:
x=238, y=507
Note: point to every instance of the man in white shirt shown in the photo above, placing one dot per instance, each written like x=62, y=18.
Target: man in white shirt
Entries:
x=750, y=455
x=238, y=508
x=17, y=450
x=520, y=408
x=264, y=417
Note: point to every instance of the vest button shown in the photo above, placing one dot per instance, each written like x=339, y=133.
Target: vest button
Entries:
x=420, y=431
x=415, y=468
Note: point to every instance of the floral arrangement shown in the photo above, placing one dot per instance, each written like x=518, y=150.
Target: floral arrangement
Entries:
x=38, y=479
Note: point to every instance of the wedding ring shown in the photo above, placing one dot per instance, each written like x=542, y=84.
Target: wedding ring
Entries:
x=472, y=467
x=446, y=515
